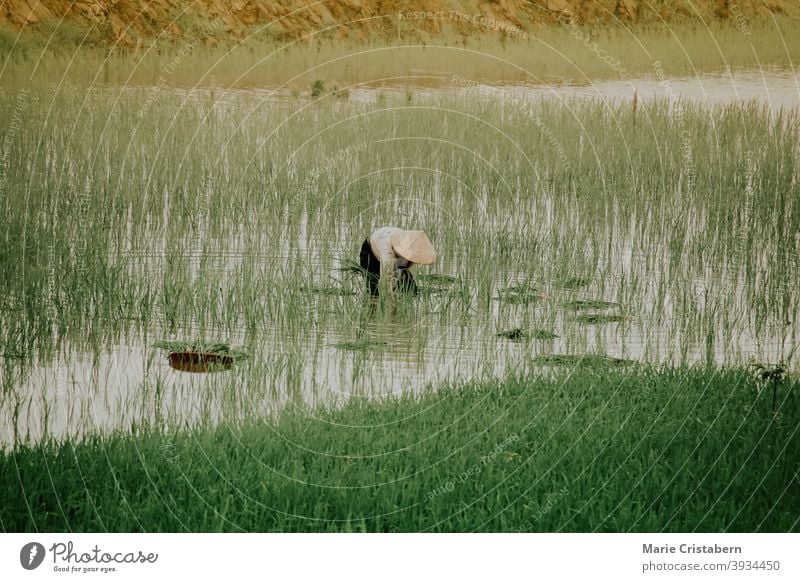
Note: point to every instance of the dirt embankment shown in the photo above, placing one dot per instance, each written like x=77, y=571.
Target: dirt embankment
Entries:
x=131, y=22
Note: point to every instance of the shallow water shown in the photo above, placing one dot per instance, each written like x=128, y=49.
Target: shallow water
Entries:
x=774, y=88
x=132, y=383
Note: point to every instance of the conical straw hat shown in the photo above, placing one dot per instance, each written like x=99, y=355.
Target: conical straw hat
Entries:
x=414, y=246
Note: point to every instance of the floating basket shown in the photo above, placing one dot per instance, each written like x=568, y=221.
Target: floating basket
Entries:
x=200, y=362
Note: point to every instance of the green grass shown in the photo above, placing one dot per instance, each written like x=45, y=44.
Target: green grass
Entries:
x=584, y=450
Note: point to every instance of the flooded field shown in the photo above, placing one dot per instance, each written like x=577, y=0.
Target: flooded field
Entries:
x=568, y=224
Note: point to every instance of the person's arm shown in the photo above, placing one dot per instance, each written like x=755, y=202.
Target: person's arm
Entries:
x=388, y=272
x=382, y=249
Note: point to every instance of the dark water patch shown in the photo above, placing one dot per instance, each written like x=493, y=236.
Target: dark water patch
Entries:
x=598, y=318
x=516, y=334
x=519, y=334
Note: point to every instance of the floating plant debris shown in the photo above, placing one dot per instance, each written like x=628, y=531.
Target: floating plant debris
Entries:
x=574, y=283
x=360, y=345
x=580, y=360
x=518, y=334
x=519, y=294
x=542, y=334
x=598, y=318
x=579, y=304
x=436, y=279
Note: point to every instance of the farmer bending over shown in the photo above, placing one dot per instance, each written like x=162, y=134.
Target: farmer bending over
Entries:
x=388, y=254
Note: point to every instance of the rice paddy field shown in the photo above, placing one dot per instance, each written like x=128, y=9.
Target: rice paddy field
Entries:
x=607, y=341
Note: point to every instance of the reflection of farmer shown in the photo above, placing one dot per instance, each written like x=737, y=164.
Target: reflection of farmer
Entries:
x=390, y=252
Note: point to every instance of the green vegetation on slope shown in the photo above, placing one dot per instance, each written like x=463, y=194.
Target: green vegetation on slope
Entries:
x=570, y=52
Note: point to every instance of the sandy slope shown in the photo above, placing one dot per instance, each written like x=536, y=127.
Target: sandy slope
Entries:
x=132, y=21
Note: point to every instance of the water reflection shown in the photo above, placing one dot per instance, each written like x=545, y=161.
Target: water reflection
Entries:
x=777, y=88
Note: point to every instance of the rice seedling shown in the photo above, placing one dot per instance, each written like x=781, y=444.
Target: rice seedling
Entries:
x=542, y=334
x=520, y=294
x=574, y=283
x=437, y=279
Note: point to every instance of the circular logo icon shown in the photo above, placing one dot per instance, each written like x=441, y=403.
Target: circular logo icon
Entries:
x=31, y=555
